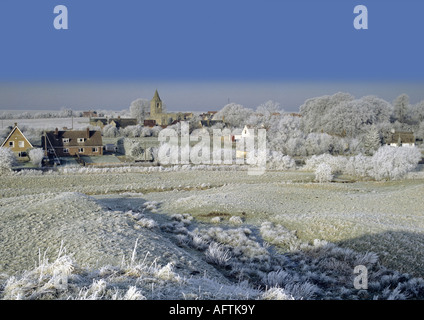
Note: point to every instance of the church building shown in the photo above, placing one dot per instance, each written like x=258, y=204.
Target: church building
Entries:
x=160, y=118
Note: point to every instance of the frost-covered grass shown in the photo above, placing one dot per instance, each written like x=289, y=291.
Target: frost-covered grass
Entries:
x=262, y=246
x=132, y=280
x=255, y=270
x=284, y=267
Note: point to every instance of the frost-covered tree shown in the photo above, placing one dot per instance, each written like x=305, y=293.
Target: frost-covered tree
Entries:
x=136, y=150
x=36, y=156
x=110, y=131
x=66, y=113
x=7, y=160
x=382, y=110
x=372, y=141
x=266, y=114
x=155, y=130
x=419, y=134
x=284, y=135
x=132, y=131
x=139, y=109
x=343, y=115
x=314, y=110
x=234, y=115
x=416, y=112
x=401, y=106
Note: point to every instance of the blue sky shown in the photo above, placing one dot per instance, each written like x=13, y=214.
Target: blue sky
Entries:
x=234, y=42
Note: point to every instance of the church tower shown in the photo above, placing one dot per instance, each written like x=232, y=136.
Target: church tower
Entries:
x=155, y=105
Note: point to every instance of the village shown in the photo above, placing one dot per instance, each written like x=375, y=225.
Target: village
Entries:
x=96, y=146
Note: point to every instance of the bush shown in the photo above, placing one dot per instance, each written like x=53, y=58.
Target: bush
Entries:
x=7, y=160
x=36, y=156
x=217, y=255
x=388, y=163
x=392, y=163
x=278, y=161
x=323, y=173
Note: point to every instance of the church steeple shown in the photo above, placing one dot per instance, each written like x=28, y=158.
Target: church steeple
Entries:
x=155, y=104
x=156, y=96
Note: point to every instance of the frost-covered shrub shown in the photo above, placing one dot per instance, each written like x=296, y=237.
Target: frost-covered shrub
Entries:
x=198, y=242
x=150, y=205
x=94, y=292
x=278, y=235
x=216, y=220
x=236, y=220
x=278, y=278
x=323, y=173
x=394, y=162
x=183, y=218
x=182, y=239
x=336, y=163
x=359, y=166
x=167, y=273
x=217, y=255
x=147, y=223
x=7, y=160
x=131, y=294
x=278, y=161
x=276, y=293
x=244, y=247
x=387, y=163
x=305, y=290
x=36, y=156
x=175, y=227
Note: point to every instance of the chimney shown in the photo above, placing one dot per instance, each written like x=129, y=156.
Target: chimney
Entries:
x=88, y=132
x=16, y=124
x=56, y=131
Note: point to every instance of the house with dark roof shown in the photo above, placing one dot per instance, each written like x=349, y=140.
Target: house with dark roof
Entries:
x=399, y=139
x=116, y=122
x=72, y=142
x=17, y=142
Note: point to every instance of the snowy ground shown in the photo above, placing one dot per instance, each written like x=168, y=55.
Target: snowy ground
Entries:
x=263, y=230
x=78, y=123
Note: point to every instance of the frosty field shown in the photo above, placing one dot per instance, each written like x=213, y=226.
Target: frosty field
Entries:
x=186, y=234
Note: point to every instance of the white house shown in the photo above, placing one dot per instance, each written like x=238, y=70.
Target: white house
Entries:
x=245, y=133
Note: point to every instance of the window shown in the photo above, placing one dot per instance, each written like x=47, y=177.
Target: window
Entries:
x=80, y=150
x=11, y=144
x=65, y=140
x=21, y=144
x=80, y=140
x=95, y=149
x=65, y=150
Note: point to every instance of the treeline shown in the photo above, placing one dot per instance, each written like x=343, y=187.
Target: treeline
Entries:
x=337, y=124
x=63, y=113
